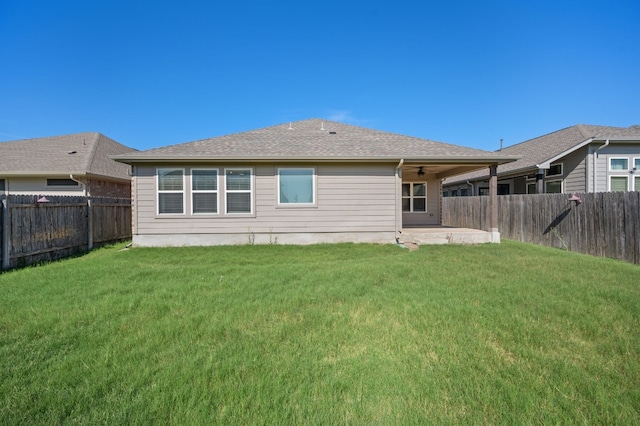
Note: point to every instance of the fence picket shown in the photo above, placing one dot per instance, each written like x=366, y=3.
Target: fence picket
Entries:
x=34, y=232
x=605, y=224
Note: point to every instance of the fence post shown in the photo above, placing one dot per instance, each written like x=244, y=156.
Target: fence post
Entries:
x=90, y=225
x=5, y=233
x=493, y=204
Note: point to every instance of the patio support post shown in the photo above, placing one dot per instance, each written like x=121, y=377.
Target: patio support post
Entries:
x=540, y=182
x=493, y=204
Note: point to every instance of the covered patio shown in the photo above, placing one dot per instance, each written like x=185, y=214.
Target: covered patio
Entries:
x=421, y=222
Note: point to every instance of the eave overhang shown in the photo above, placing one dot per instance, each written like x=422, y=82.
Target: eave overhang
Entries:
x=453, y=159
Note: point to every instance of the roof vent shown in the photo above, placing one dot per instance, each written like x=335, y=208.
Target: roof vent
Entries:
x=72, y=152
x=332, y=133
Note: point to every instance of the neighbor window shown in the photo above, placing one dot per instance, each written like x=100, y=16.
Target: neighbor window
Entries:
x=61, y=182
x=636, y=164
x=618, y=164
x=618, y=183
x=170, y=191
x=204, y=191
x=531, y=188
x=553, y=187
x=414, y=197
x=238, y=190
x=636, y=183
x=296, y=186
x=554, y=170
x=1, y=185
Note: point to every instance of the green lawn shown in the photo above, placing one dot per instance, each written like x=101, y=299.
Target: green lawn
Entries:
x=328, y=334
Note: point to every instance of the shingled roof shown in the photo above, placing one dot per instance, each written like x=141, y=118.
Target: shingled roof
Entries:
x=81, y=154
x=543, y=149
x=315, y=139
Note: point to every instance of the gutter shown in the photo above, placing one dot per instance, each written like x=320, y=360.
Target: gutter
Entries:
x=444, y=160
x=595, y=155
x=84, y=185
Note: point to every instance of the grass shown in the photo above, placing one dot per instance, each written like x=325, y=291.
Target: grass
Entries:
x=328, y=334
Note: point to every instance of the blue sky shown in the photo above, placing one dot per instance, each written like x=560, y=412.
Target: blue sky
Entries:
x=155, y=73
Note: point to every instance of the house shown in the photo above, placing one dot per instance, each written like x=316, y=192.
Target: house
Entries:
x=581, y=158
x=76, y=164
x=311, y=181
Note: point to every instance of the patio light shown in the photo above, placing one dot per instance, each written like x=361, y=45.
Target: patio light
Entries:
x=575, y=199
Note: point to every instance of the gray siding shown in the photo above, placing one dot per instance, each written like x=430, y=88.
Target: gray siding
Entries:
x=351, y=198
x=614, y=150
x=574, y=170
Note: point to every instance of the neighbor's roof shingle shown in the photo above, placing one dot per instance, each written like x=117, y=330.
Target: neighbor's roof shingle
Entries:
x=311, y=139
x=538, y=150
x=79, y=153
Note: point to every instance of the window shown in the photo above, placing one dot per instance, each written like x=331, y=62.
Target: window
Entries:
x=1, y=185
x=61, y=182
x=618, y=183
x=503, y=189
x=296, y=186
x=464, y=192
x=483, y=190
x=636, y=164
x=554, y=170
x=204, y=191
x=636, y=183
x=238, y=190
x=414, y=197
x=553, y=187
x=170, y=191
x=616, y=164
x=531, y=188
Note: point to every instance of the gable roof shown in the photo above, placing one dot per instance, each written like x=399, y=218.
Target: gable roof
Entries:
x=81, y=154
x=315, y=139
x=541, y=151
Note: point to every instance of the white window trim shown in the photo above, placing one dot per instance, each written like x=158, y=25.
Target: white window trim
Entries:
x=618, y=170
x=552, y=181
x=297, y=205
x=207, y=191
x=426, y=193
x=239, y=191
x=626, y=176
x=546, y=172
x=183, y=192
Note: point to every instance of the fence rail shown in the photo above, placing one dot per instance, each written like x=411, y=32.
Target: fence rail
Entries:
x=603, y=224
x=33, y=231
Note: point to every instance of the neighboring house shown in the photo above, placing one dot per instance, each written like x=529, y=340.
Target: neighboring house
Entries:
x=76, y=164
x=580, y=158
x=303, y=182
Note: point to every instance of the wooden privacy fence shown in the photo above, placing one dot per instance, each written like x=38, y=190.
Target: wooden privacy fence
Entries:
x=603, y=224
x=35, y=229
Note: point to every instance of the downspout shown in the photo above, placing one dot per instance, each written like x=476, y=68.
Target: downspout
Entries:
x=398, y=175
x=473, y=188
x=84, y=185
x=595, y=155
